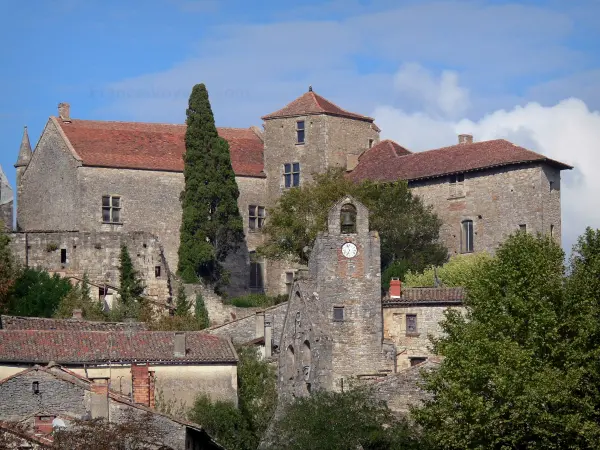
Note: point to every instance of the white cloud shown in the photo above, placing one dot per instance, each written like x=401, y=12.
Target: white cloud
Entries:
x=443, y=94
x=567, y=131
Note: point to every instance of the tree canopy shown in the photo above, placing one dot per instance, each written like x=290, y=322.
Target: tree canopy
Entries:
x=409, y=230
x=36, y=293
x=520, y=367
x=211, y=224
x=458, y=271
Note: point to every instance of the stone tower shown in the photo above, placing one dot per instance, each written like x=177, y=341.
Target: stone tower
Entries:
x=6, y=202
x=25, y=154
x=334, y=325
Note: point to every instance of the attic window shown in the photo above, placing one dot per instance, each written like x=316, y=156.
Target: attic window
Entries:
x=300, y=132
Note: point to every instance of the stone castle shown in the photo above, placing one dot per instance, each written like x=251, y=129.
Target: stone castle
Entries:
x=123, y=179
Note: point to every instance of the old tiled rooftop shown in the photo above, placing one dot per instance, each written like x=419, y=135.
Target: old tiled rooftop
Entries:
x=311, y=103
x=427, y=295
x=154, y=146
x=380, y=163
x=74, y=347
x=41, y=323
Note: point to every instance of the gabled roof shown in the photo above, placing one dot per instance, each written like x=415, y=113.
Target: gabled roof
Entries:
x=311, y=103
x=42, y=323
x=427, y=296
x=154, y=146
x=387, y=147
x=77, y=347
x=381, y=164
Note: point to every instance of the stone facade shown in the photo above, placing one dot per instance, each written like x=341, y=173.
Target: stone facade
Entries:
x=498, y=202
x=6, y=202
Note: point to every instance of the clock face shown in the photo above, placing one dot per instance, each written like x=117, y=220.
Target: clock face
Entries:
x=349, y=250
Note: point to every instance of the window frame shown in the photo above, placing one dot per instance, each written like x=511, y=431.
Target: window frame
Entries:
x=255, y=220
x=256, y=283
x=467, y=245
x=112, y=209
x=339, y=309
x=415, y=330
x=456, y=185
x=300, y=131
x=291, y=175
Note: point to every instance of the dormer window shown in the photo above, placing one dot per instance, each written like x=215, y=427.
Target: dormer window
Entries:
x=300, y=132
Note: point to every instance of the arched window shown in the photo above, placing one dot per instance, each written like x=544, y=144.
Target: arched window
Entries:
x=348, y=219
x=466, y=236
x=306, y=354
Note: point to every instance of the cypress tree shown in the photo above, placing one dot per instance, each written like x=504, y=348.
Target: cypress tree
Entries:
x=201, y=313
x=211, y=225
x=182, y=305
x=131, y=286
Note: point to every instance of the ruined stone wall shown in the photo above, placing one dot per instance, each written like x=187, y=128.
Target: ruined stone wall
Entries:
x=97, y=255
x=497, y=201
x=413, y=344
x=49, y=192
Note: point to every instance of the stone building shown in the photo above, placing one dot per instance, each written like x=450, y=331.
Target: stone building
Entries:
x=6, y=202
x=43, y=398
x=137, y=363
x=333, y=329
x=123, y=177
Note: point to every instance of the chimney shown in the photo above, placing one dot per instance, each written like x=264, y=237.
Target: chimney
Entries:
x=99, y=398
x=268, y=335
x=140, y=383
x=77, y=314
x=465, y=138
x=260, y=324
x=64, y=111
x=179, y=349
x=395, y=288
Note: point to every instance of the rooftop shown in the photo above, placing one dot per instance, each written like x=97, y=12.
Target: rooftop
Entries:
x=427, y=296
x=41, y=323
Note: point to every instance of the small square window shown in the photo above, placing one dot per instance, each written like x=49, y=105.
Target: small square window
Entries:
x=411, y=324
x=523, y=228
x=338, y=313
x=300, y=132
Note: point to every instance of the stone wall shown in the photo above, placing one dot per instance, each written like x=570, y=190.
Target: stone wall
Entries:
x=49, y=192
x=97, y=255
x=498, y=201
x=413, y=344
x=6, y=215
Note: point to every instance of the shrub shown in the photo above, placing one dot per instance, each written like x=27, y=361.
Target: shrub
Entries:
x=257, y=300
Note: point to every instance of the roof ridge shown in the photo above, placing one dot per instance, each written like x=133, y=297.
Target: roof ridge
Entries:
x=118, y=121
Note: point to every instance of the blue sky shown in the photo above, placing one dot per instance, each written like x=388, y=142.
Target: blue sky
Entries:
x=425, y=69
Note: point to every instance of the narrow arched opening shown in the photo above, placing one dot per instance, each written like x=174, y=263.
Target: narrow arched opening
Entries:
x=348, y=219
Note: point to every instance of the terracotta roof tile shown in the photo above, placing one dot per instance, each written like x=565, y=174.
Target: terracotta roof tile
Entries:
x=41, y=323
x=426, y=295
x=64, y=347
x=154, y=146
x=384, y=165
x=311, y=103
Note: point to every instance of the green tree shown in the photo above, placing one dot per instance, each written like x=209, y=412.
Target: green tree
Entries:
x=130, y=302
x=241, y=428
x=37, y=294
x=211, y=224
x=408, y=229
x=511, y=374
x=182, y=305
x=201, y=313
x=8, y=269
x=80, y=298
x=342, y=421
x=458, y=271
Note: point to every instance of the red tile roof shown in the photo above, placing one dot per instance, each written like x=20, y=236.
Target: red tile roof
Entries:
x=75, y=347
x=388, y=148
x=424, y=295
x=311, y=103
x=154, y=146
x=41, y=323
x=384, y=165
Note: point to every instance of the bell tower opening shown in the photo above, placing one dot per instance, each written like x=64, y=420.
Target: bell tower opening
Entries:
x=348, y=219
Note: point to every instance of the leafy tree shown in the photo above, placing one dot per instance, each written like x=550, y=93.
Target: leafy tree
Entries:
x=458, y=271
x=512, y=375
x=8, y=269
x=130, y=302
x=211, y=223
x=342, y=421
x=182, y=305
x=201, y=313
x=408, y=229
x=37, y=294
x=241, y=428
x=80, y=298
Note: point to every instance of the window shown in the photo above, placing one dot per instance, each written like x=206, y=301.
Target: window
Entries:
x=370, y=143
x=411, y=324
x=35, y=387
x=256, y=272
x=466, y=236
x=348, y=219
x=63, y=255
x=551, y=231
x=523, y=228
x=457, y=185
x=111, y=209
x=291, y=174
x=552, y=186
x=157, y=271
x=102, y=292
x=256, y=217
x=338, y=313
x=300, y=132
x=415, y=360
x=289, y=281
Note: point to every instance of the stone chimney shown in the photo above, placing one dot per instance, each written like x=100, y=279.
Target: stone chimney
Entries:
x=99, y=397
x=179, y=347
x=77, y=314
x=259, y=324
x=395, y=288
x=268, y=335
x=140, y=384
x=465, y=138
x=64, y=111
